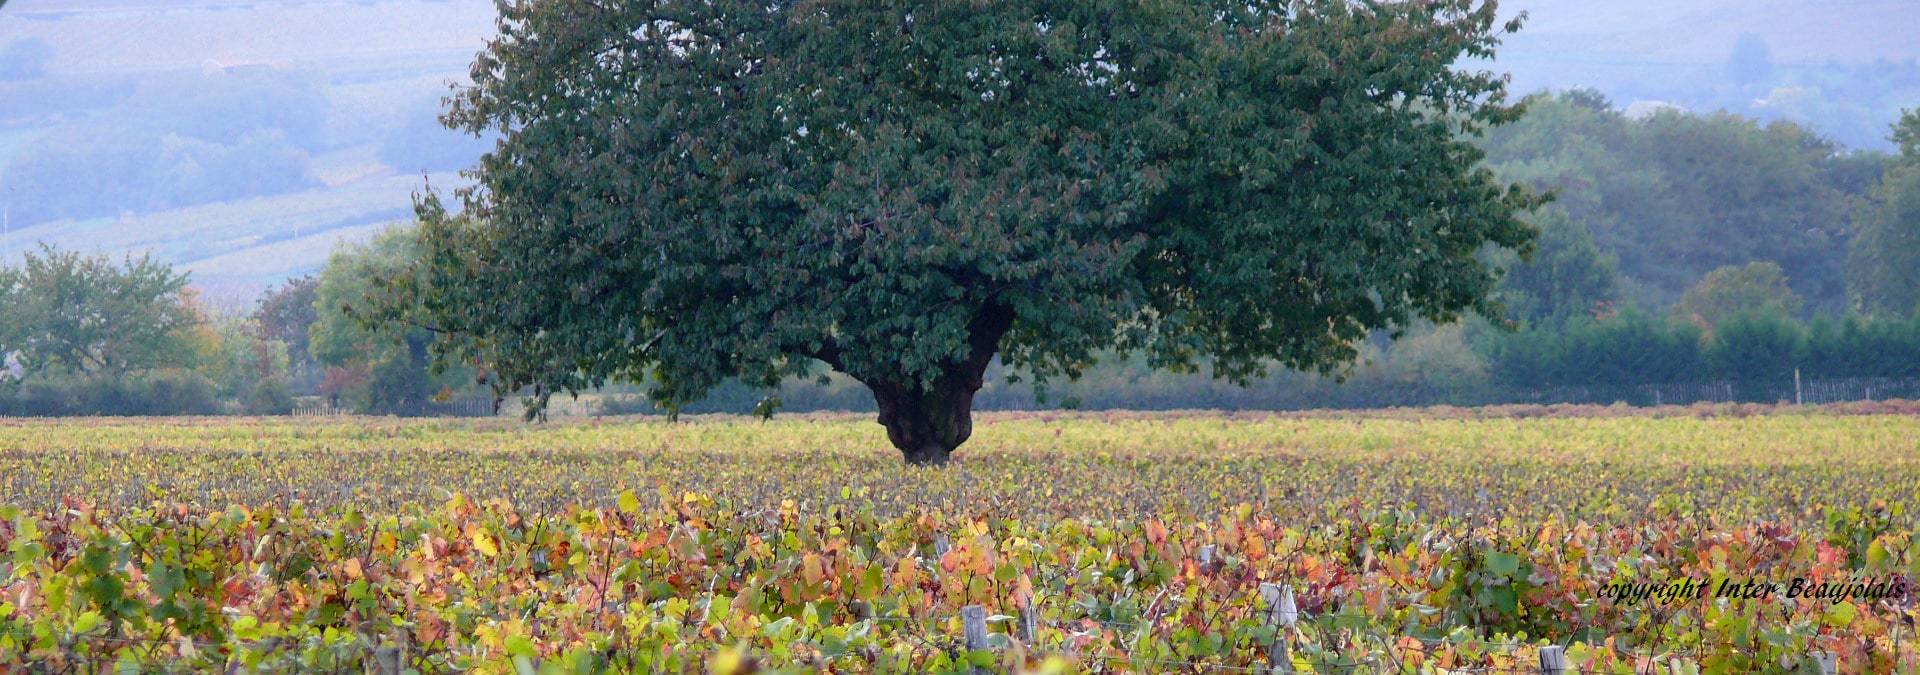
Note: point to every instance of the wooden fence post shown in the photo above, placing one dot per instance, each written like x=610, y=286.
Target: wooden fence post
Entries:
x=1797, y=398
x=1281, y=614
x=974, y=619
x=1553, y=660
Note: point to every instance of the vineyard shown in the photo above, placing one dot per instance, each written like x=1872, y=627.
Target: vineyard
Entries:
x=1438, y=540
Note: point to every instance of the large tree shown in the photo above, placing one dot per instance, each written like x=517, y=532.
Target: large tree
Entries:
x=695, y=190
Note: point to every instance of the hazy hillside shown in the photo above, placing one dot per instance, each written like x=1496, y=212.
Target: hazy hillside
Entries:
x=243, y=138
x=340, y=95
x=1845, y=67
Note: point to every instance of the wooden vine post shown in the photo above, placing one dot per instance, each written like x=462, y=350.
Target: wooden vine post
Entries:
x=1281, y=614
x=1029, y=622
x=974, y=619
x=1828, y=662
x=1553, y=660
x=389, y=658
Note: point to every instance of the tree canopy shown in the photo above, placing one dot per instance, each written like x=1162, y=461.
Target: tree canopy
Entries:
x=1753, y=288
x=1567, y=276
x=692, y=191
x=372, y=367
x=1676, y=195
x=73, y=314
x=1884, y=261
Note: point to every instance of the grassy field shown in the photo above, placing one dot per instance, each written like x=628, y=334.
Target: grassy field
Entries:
x=1414, y=541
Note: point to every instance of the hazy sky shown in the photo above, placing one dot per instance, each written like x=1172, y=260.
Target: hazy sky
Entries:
x=1563, y=40
x=1601, y=42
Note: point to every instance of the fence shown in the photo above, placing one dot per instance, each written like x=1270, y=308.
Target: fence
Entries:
x=1775, y=390
x=1210, y=395
x=466, y=406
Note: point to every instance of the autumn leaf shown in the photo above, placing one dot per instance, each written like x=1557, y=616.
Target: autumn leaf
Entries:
x=483, y=543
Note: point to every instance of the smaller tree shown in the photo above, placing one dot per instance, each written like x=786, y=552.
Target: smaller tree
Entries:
x=253, y=368
x=287, y=314
x=67, y=313
x=378, y=367
x=1883, y=263
x=1759, y=287
x=1906, y=135
x=1567, y=275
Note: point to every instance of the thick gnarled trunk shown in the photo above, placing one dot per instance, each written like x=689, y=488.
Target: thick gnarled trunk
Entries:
x=926, y=425
x=927, y=422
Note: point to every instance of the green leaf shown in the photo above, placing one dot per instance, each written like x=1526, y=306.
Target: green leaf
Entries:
x=1503, y=564
x=87, y=621
x=1840, y=615
x=982, y=658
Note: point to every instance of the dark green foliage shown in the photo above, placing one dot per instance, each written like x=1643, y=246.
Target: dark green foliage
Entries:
x=170, y=392
x=68, y=314
x=1884, y=264
x=1863, y=347
x=1755, y=352
x=1630, y=348
x=1755, y=345
x=697, y=191
x=1566, y=276
x=1677, y=195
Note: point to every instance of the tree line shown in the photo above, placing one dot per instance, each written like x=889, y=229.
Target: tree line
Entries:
x=90, y=335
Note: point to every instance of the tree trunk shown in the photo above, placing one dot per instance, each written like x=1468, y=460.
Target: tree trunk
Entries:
x=927, y=422
x=926, y=425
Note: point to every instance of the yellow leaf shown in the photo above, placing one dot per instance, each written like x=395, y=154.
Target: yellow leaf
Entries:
x=483, y=543
x=811, y=569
